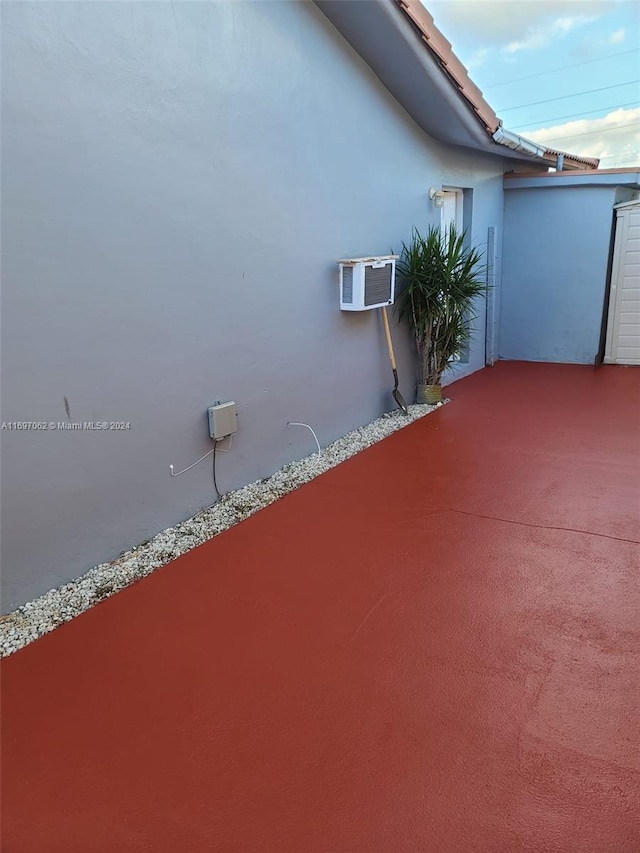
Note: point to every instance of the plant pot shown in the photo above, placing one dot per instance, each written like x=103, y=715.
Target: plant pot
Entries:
x=429, y=394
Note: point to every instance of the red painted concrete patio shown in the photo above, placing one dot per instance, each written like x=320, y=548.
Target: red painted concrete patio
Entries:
x=433, y=647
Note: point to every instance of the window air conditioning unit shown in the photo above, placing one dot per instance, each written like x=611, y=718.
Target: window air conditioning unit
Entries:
x=367, y=283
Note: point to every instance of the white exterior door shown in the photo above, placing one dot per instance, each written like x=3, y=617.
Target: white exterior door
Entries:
x=451, y=210
x=623, y=324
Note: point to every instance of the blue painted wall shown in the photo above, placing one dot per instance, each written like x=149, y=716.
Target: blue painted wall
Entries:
x=178, y=182
x=555, y=257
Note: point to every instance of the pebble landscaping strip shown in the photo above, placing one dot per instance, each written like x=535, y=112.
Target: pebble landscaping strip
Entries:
x=43, y=614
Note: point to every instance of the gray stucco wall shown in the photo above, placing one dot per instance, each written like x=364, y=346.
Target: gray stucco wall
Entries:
x=557, y=241
x=178, y=181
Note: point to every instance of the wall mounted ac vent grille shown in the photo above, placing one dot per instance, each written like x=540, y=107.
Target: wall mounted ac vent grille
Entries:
x=347, y=285
x=377, y=285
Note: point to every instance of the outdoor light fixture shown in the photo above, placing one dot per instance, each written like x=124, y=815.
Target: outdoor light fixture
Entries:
x=437, y=197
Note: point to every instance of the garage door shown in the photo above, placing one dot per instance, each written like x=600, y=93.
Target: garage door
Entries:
x=623, y=325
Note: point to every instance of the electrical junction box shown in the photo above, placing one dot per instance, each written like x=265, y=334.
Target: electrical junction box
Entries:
x=222, y=420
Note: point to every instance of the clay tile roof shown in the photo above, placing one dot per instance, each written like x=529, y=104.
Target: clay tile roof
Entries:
x=438, y=45
x=552, y=154
x=441, y=49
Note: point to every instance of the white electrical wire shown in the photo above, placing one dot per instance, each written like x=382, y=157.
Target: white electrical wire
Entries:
x=310, y=428
x=189, y=467
x=193, y=465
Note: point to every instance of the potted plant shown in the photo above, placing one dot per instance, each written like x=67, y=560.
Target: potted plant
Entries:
x=440, y=277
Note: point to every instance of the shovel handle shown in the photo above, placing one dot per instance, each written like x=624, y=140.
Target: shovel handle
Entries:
x=387, y=333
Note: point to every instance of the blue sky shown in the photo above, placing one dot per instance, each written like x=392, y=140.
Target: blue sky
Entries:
x=517, y=52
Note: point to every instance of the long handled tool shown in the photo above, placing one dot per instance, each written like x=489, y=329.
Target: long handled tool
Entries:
x=397, y=396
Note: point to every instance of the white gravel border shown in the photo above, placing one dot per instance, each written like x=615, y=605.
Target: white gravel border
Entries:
x=43, y=614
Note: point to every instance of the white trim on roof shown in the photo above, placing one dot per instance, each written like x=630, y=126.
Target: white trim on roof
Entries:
x=635, y=202
x=518, y=143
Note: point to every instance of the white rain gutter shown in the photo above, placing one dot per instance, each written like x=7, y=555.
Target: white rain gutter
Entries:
x=518, y=143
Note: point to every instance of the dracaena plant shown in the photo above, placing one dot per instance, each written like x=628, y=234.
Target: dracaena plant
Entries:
x=440, y=278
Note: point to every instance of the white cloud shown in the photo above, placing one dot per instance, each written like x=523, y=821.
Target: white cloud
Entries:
x=562, y=26
x=534, y=41
x=539, y=37
x=478, y=58
x=617, y=36
x=615, y=138
x=502, y=22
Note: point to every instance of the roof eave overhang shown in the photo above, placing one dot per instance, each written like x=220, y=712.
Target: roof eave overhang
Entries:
x=626, y=177
x=398, y=41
